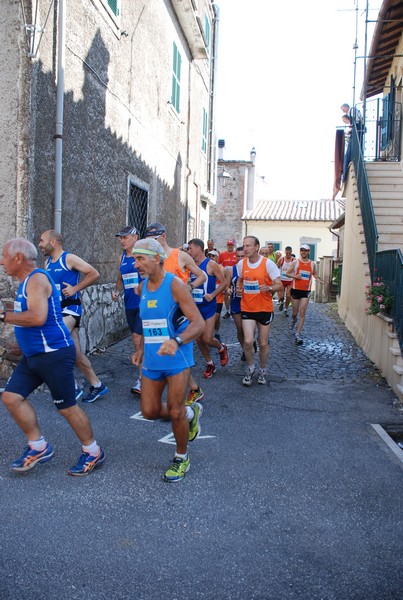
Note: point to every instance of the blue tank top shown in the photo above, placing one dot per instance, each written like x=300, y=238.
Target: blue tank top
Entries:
x=130, y=278
x=208, y=287
x=163, y=319
x=50, y=336
x=60, y=272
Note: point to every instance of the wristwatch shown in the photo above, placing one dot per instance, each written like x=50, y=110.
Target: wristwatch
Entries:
x=178, y=340
x=2, y=316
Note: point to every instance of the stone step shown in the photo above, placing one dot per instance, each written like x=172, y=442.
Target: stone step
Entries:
x=385, y=211
x=386, y=202
x=395, y=224
x=381, y=166
x=398, y=370
x=385, y=195
x=399, y=391
x=389, y=246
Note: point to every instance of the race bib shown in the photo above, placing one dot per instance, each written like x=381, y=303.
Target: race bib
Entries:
x=155, y=331
x=198, y=295
x=306, y=275
x=251, y=287
x=130, y=280
x=17, y=306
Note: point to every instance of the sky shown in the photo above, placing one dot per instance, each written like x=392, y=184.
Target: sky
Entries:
x=284, y=69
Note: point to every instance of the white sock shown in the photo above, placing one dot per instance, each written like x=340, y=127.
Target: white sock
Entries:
x=92, y=449
x=183, y=456
x=189, y=413
x=37, y=445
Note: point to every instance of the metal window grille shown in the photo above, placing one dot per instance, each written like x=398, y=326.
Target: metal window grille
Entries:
x=138, y=206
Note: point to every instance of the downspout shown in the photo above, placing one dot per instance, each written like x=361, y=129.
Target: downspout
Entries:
x=61, y=55
x=211, y=166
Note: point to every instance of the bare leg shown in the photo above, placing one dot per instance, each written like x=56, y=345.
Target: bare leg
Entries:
x=207, y=341
x=303, y=305
x=23, y=414
x=248, y=326
x=82, y=362
x=80, y=423
x=264, y=348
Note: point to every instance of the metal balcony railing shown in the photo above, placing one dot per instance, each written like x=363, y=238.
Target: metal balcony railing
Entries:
x=383, y=131
x=387, y=264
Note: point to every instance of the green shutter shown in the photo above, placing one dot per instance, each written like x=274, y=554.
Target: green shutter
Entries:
x=113, y=5
x=176, y=78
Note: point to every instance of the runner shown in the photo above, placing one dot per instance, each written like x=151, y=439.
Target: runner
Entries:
x=171, y=322
x=284, y=263
x=258, y=278
x=49, y=356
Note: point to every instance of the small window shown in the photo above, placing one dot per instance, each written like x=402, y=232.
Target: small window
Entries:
x=205, y=130
x=137, y=207
x=114, y=6
x=176, y=78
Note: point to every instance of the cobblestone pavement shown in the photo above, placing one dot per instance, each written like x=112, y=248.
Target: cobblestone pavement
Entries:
x=329, y=351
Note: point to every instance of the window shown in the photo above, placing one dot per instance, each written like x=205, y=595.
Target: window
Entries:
x=114, y=6
x=137, y=209
x=176, y=78
x=207, y=35
x=205, y=130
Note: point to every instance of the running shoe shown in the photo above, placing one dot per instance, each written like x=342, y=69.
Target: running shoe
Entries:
x=285, y=313
x=194, y=425
x=210, y=370
x=247, y=380
x=280, y=306
x=298, y=339
x=95, y=393
x=227, y=315
x=223, y=355
x=79, y=392
x=292, y=324
x=194, y=396
x=262, y=377
x=87, y=463
x=178, y=469
x=136, y=389
x=31, y=457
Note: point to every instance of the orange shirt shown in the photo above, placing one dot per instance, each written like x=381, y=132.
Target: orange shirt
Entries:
x=171, y=264
x=306, y=270
x=253, y=300
x=227, y=259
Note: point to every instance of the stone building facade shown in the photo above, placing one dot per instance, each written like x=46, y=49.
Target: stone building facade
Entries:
x=138, y=129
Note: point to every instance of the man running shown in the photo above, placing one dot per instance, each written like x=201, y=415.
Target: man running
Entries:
x=258, y=278
x=228, y=259
x=284, y=263
x=66, y=269
x=236, y=301
x=129, y=280
x=182, y=265
x=171, y=322
x=49, y=356
x=302, y=271
x=205, y=299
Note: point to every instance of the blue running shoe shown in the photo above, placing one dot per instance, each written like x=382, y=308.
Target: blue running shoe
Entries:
x=87, y=463
x=95, y=393
x=30, y=458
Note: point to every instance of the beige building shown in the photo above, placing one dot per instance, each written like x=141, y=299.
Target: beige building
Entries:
x=295, y=222
x=106, y=119
x=372, y=235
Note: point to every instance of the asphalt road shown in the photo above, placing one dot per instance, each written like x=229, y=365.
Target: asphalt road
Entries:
x=292, y=494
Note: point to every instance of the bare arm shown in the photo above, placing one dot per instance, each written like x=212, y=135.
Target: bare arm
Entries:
x=118, y=285
x=291, y=271
x=91, y=275
x=215, y=270
x=187, y=262
x=38, y=291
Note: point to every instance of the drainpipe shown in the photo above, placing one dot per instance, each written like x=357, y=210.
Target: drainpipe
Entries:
x=59, y=115
x=213, y=79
